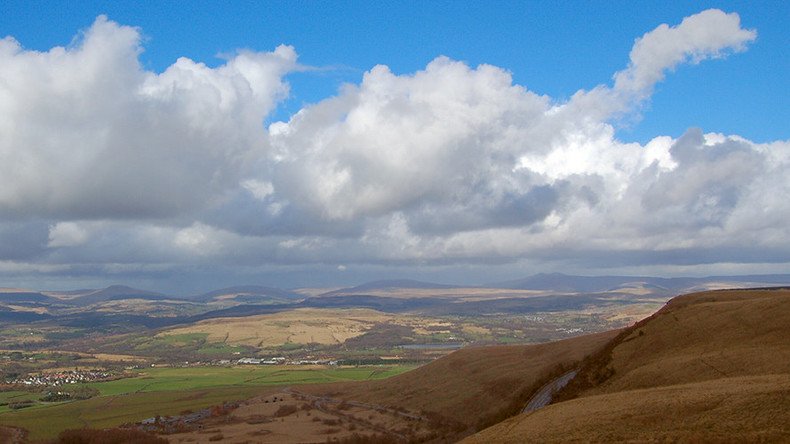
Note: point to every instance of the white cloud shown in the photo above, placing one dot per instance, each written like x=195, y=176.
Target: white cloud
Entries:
x=709, y=34
x=450, y=164
x=259, y=189
x=67, y=234
x=467, y=144
x=88, y=133
x=199, y=239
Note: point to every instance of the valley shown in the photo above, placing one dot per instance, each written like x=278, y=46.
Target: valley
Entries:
x=402, y=364
x=305, y=222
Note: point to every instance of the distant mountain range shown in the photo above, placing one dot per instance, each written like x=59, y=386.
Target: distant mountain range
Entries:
x=545, y=282
x=390, y=284
x=592, y=284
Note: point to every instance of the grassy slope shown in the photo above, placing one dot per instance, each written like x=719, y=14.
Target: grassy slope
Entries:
x=169, y=391
x=472, y=384
x=706, y=336
x=110, y=411
x=711, y=366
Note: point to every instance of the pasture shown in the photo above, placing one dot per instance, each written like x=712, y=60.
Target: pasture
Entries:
x=170, y=391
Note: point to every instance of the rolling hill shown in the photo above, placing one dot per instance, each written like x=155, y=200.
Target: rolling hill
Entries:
x=708, y=367
x=29, y=297
x=114, y=293
x=249, y=294
x=472, y=387
x=712, y=366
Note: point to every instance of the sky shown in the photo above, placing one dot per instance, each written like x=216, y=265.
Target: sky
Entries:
x=186, y=146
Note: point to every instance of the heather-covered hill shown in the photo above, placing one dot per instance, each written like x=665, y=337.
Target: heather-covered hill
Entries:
x=711, y=366
x=475, y=386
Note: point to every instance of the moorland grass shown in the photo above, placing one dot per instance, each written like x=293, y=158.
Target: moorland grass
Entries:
x=709, y=367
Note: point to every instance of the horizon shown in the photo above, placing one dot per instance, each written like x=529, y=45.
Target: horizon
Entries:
x=188, y=148
x=498, y=284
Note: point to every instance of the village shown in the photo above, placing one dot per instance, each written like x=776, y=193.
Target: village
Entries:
x=65, y=377
x=280, y=360
x=283, y=361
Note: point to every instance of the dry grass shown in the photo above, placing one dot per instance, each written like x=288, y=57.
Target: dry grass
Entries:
x=285, y=418
x=300, y=326
x=741, y=409
x=307, y=325
x=471, y=384
x=458, y=394
x=705, y=336
x=116, y=357
x=37, y=310
x=712, y=366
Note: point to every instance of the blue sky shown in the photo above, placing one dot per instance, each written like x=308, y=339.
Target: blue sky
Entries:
x=179, y=146
x=552, y=48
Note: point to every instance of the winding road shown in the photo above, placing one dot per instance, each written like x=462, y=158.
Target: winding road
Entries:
x=542, y=397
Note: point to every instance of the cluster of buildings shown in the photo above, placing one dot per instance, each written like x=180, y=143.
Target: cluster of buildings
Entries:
x=283, y=361
x=570, y=331
x=64, y=377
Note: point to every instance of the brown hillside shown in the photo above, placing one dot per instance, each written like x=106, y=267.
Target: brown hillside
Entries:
x=473, y=386
x=712, y=366
x=735, y=410
x=706, y=336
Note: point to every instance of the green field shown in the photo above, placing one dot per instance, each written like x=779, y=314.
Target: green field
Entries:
x=169, y=391
x=15, y=396
x=166, y=379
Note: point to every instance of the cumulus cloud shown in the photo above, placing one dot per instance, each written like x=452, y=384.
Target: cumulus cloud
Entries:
x=437, y=137
x=709, y=34
x=88, y=133
x=450, y=164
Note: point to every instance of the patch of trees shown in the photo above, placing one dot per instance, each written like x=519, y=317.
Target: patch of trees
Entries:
x=595, y=368
x=382, y=335
x=521, y=397
x=77, y=393
x=16, y=405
